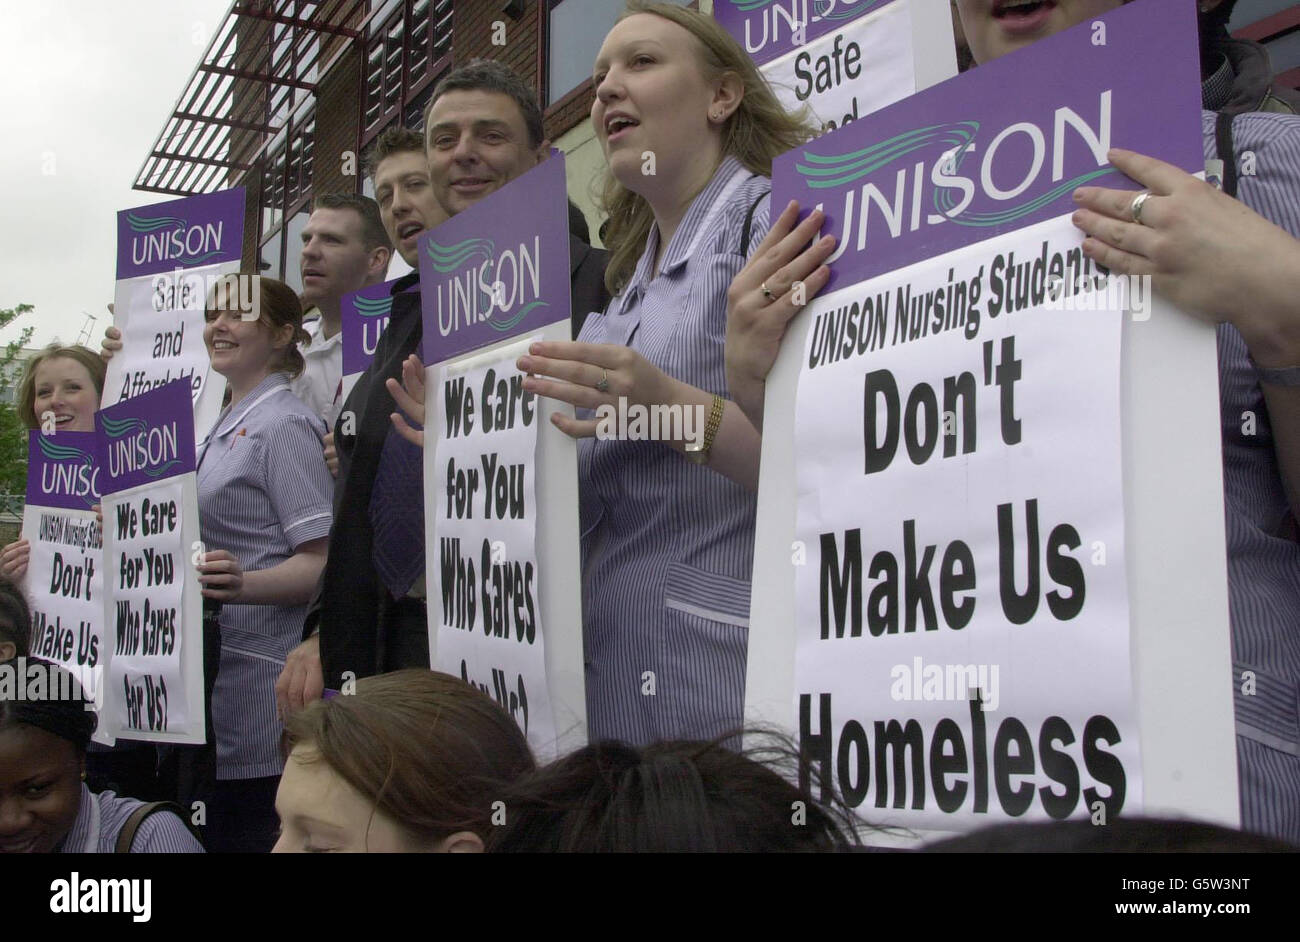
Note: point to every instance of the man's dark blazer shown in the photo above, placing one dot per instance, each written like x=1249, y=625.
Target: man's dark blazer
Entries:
x=350, y=601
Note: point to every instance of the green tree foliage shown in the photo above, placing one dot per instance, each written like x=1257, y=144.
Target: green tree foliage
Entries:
x=13, y=433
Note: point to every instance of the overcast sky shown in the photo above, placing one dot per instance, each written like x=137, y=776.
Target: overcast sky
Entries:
x=85, y=87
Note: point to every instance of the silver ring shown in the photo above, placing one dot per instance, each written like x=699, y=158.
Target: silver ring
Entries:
x=1136, y=208
x=767, y=294
x=603, y=385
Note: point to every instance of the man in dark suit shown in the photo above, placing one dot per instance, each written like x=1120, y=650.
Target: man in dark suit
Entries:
x=483, y=129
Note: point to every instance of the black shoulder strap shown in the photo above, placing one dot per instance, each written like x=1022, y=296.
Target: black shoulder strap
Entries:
x=1223, y=143
x=126, y=836
x=749, y=223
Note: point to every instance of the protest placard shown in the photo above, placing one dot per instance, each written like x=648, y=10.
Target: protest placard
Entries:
x=843, y=58
x=970, y=610
x=501, y=483
x=64, y=580
x=153, y=605
x=365, y=316
x=168, y=257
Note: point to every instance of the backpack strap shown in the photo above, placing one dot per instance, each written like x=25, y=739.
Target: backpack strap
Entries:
x=1223, y=143
x=126, y=836
x=749, y=223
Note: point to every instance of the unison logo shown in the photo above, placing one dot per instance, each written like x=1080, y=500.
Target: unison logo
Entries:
x=486, y=286
x=766, y=27
x=374, y=307
x=932, y=186
x=171, y=238
x=68, y=471
x=372, y=328
x=151, y=451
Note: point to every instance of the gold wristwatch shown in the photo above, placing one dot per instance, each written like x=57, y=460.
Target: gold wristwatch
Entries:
x=698, y=453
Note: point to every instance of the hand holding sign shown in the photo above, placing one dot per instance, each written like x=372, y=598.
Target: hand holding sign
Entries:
x=13, y=561
x=111, y=344
x=1204, y=250
x=792, y=271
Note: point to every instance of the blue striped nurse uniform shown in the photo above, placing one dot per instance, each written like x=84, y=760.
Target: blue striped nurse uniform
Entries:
x=264, y=491
x=668, y=546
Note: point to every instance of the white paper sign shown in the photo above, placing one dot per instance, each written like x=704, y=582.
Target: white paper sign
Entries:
x=484, y=604
x=843, y=75
x=148, y=560
x=161, y=320
x=64, y=586
x=960, y=502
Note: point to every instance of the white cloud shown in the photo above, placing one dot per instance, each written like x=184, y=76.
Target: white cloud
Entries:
x=86, y=87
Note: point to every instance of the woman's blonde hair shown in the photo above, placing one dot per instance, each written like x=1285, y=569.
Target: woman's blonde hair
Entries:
x=757, y=131
x=27, y=387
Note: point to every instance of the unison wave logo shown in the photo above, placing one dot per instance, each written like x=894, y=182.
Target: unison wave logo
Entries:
x=499, y=288
x=822, y=9
x=953, y=173
x=172, y=239
x=148, y=224
x=451, y=257
x=68, y=470
x=374, y=307
x=828, y=171
x=116, y=428
x=137, y=447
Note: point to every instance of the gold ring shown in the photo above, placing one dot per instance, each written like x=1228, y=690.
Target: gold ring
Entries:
x=767, y=294
x=603, y=385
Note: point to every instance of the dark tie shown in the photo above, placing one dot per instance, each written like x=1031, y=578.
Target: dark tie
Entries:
x=397, y=514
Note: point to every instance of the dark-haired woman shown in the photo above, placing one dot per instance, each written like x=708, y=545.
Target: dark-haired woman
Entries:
x=412, y=761
x=672, y=797
x=264, y=505
x=45, y=806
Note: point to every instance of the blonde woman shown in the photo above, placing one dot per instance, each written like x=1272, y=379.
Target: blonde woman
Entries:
x=689, y=129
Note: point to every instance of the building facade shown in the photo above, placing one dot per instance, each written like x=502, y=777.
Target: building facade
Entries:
x=290, y=93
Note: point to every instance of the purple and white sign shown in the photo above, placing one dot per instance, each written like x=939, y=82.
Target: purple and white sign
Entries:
x=957, y=445
x=499, y=269
x=153, y=610
x=365, y=318
x=64, y=579
x=146, y=439
x=185, y=233
x=169, y=256
x=767, y=29
x=63, y=469
x=966, y=160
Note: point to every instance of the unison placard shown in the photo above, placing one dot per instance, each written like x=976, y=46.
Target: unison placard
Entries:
x=977, y=627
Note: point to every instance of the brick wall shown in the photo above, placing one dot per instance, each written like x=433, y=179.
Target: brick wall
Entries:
x=472, y=32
